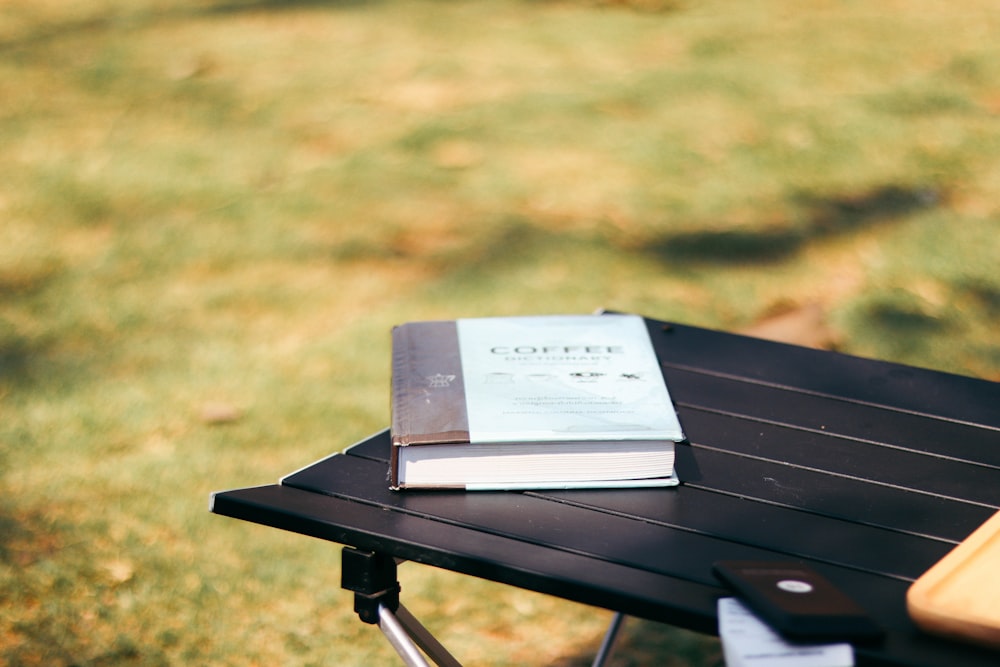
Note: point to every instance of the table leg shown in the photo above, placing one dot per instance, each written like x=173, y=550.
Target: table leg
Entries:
x=394, y=632
x=609, y=640
x=372, y=579
x=407, y=630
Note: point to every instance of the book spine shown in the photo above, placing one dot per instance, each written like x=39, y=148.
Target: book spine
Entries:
x=400, y=406
x=428, y=391
x=401, y=375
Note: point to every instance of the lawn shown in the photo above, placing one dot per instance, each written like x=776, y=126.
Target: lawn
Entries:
x=213, y=211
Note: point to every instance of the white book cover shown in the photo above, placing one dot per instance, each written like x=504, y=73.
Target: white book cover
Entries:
x=564, y=377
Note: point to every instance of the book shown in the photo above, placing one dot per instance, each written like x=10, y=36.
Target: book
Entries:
x=535, y=402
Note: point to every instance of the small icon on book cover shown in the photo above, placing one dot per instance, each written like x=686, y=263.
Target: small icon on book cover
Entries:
x=439, y=380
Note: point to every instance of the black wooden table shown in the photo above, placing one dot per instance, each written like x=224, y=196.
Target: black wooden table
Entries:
x=869, y=471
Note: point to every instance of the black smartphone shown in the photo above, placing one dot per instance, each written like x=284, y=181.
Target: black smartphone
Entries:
x=798, y=602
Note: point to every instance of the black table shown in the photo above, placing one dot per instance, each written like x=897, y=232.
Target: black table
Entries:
x=869, y=471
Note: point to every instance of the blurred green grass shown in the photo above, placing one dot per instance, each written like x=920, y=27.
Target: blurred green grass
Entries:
x=212, y=212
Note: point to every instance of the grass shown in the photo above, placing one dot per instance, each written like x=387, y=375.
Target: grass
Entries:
x=212, y=212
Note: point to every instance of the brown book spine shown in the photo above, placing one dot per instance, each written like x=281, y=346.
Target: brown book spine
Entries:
x=428, y=392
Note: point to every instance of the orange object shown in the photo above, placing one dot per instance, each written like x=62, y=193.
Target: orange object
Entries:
x=960, y=596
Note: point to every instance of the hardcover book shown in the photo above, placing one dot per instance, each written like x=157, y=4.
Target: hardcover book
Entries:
x=538, y=402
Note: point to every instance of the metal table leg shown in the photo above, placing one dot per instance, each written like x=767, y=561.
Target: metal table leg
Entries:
x=372, y=579
x=406, y=634
x=609, y=640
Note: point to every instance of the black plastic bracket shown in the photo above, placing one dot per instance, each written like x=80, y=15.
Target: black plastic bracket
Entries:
x=372, y=579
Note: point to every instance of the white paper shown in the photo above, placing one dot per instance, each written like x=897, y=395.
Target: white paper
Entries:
x=749, y=642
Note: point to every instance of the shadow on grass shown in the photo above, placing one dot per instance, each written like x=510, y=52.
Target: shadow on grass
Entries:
x=985, y=296
x=510, y=238
x=899, y=324
x=16, y=354
x=21, y=541
x=282, y=5
x=898, y=320
x=50, y=362
x=825, y=217
x=47, y=32
x=729, y=246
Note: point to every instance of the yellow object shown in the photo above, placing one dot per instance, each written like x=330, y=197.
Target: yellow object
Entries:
x=960, y=596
